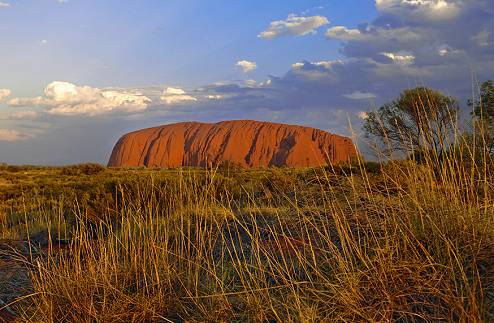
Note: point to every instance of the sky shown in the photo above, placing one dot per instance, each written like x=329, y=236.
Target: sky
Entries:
x=75, y=75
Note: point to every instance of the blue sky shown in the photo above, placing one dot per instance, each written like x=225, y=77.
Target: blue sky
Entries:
x=129, y=43
x=77, y=74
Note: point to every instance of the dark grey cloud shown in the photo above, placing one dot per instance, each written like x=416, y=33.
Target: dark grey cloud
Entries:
x=445, y=38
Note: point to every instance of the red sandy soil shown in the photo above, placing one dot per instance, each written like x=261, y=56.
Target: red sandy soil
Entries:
x=243, y=143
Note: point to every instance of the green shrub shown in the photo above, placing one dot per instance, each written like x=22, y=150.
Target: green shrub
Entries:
x=82, y=169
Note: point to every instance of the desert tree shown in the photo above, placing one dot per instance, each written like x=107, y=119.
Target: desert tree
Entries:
x=420, y=119
x=483, y=112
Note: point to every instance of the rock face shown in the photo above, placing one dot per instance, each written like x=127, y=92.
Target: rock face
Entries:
x=243, y=143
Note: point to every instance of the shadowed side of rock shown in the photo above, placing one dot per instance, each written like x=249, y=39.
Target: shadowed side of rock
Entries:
x=248, y=144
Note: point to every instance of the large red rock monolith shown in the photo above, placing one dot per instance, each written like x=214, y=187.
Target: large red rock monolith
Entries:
x=244, y=143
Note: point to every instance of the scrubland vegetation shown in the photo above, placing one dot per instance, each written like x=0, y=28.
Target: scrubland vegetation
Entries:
x=402, y=241
x=408, y=240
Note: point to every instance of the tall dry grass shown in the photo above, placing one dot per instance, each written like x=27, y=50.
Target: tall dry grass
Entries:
x=414, y=243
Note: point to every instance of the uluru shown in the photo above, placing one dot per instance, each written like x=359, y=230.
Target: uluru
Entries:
x=245, y=143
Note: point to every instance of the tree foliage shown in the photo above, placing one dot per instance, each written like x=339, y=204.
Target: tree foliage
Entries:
x=483, y=111
x=419, y=119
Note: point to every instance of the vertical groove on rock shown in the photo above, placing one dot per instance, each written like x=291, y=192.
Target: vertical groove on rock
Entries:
x=248, y=157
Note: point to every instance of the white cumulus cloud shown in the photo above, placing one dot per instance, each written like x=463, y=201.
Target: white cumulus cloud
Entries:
x=246, y=66
x=327, y=64
x=173, y=91
x=4, y=4
x=64, y=98
x=322, y=64
x=343, y=33
x=402, y=58
x=172, y=95
x=432, y=10
x=297, y=65
x=315, y=70
x=214, y=97
x=294, y=25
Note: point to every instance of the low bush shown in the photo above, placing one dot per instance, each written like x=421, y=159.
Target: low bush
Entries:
x=82, y=169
